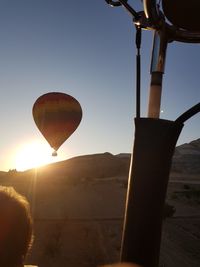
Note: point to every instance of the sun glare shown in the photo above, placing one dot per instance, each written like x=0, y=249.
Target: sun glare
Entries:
x=33, y=155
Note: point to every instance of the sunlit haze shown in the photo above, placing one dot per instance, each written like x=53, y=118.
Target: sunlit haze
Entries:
x=32, y=155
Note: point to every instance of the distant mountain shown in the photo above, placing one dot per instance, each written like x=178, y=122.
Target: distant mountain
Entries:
x=187, y=158
x=123, y=155
x=89, y=167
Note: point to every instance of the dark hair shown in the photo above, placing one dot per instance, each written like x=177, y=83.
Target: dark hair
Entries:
x=15, y=227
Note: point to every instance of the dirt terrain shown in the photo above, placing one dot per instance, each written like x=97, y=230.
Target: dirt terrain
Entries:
x=181, y=233
x=78, y=215
x=93, y=240
x=82, y=224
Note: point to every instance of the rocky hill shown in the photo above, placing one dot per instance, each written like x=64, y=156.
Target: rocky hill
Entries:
x=187, y=158
x=186, y=161
x=99, y=166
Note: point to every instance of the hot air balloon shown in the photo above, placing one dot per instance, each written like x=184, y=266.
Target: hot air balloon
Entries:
x=57, y=115
x=183, y=13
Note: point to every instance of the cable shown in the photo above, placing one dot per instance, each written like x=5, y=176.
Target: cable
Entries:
x=138, y=40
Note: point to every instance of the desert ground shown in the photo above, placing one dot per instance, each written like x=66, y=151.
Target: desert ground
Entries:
x=78, y=212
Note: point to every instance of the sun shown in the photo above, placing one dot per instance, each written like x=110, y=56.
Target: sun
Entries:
x=32, y=155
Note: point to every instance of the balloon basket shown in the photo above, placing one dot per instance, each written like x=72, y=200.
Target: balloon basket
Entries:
x=54, y=154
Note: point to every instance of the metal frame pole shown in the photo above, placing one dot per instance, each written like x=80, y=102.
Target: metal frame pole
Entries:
x=157, y=70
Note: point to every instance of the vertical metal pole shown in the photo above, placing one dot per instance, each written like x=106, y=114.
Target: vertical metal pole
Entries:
x=157, y=70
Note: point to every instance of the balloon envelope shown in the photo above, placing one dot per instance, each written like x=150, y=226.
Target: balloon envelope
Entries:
x=57, y=115
x=183, y=13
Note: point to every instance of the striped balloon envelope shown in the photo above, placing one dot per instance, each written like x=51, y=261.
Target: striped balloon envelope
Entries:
x=57, y=115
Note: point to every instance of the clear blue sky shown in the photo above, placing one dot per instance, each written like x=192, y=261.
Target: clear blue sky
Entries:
x=86, y=49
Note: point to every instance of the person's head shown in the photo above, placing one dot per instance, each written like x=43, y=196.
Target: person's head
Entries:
x=15, y=227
